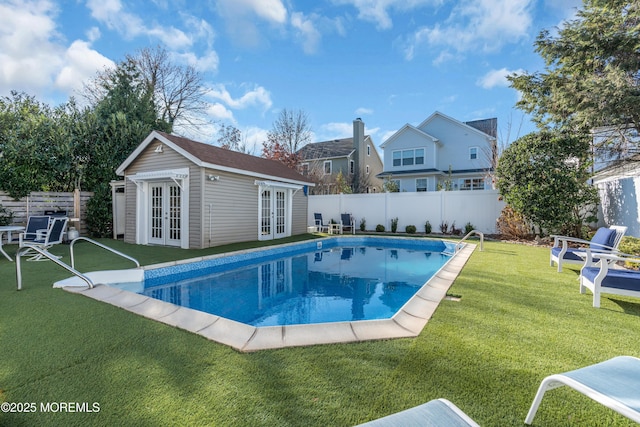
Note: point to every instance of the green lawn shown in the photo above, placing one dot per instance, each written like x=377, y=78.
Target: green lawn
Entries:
x=517, y=321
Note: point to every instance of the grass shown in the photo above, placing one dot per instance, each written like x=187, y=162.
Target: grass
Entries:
x=517, y=321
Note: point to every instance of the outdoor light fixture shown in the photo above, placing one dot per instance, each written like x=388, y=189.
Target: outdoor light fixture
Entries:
x=214, y=178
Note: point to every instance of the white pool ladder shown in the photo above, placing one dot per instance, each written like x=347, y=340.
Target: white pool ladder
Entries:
x=70, y=268
x=469, y=234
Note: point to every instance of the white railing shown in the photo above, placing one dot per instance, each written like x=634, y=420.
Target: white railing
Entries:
x=469, y=234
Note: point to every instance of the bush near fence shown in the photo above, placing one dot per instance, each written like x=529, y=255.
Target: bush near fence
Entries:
x=480, y=208
x=36, y=203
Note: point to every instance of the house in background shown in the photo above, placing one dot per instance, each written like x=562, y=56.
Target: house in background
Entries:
x=441, y=153
x=184, y=193
x=356, y=157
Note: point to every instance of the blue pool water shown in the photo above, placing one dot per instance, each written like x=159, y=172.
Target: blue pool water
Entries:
x=343, y=280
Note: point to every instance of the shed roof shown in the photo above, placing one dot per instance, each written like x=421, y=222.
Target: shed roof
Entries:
x=210, y=156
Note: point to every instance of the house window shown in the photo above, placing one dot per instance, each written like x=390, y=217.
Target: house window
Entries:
x=421, y=184
x=367, y=169
x=327, y=167
x=352, y=167
x=304, y=169
x=407, y=157
x=472, y=184
x=368, y=150
x=473, y=153
x=397, y=155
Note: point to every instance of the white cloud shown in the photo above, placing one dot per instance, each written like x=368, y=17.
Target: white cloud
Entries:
x=377, y=11
x=496, y=78
x=208, y=62
x=256, y=97
x=272, y=11
x=484, y=25
x=112, y=14
x=81, y=63
x=306, y=32
x=363, y=111
x=33, y=57
x=335, y=130
x=219, y=112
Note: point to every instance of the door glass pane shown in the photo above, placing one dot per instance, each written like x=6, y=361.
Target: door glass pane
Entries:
x=174, y=212
x=280, y=212
x=265, y=215
x=156, y=212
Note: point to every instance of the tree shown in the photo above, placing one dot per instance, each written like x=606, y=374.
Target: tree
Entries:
x=290, y=132
x=592, y=74
x=176, y=91
x=543, y=176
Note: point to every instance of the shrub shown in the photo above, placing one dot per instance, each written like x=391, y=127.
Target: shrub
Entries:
x=99, y=213
x=630, y=245
x=379, y=228
x=444, y=226
x=513, y=225
x=455, y=231
x=427, y=227
x=394, y=224
x=468, y=228
x=410, y=229
x=6, y=216
x=363, y=224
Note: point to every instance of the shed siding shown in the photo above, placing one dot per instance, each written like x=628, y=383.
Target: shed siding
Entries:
x=233, y=204
x=148, y=161
x=299, y=215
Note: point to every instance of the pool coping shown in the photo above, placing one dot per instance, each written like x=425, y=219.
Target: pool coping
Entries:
x=406, y=323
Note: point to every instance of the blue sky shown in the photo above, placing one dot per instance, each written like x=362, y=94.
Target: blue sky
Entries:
x=390, y=62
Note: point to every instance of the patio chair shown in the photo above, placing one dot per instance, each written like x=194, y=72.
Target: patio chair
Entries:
x=37, y=227
x=606, y=240
x=435, y=413
x=602, y=276
x=614, y=383
x=347, y=222
x=319, y=223
x=53, y=236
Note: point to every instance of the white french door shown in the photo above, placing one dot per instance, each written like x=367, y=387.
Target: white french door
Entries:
x=274, y=213
x=165, y=210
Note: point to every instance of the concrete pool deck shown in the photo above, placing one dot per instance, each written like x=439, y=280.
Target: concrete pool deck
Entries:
x=406, y=323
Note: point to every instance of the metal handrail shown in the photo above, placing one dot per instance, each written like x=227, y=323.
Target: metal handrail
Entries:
x=29, y=247
x=479, y=233
x=100, y=245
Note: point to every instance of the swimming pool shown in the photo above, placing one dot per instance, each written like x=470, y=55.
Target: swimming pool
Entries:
x=343, y=280
x=120, y=288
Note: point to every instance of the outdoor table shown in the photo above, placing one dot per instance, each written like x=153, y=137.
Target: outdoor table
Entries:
x=8, y=229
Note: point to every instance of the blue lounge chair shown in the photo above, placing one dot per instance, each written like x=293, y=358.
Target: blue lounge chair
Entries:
x=601, y=276
x=614, y=383
x=319, y=223
x=606, y=240
x=347, y=222
x=53, y=236
x=37, y=227
x=435, y=413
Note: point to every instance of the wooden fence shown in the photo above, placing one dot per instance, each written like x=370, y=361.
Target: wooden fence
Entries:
x=36, y=203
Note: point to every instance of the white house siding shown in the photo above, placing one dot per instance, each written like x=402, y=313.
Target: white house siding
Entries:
x=480, y=208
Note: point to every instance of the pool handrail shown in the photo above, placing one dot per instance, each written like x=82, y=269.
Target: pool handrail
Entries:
x=48, y=255
x=469, y=234
x=99, y=245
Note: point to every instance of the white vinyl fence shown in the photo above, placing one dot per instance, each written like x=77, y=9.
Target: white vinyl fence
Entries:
x=480, y=208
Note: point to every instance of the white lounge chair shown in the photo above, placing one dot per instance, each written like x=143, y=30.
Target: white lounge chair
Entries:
x=37, y=227
x=53, y=236
x=606, y=240
x=435, y=413
x=601, y=276
x=319, y=223
x=614, y=383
